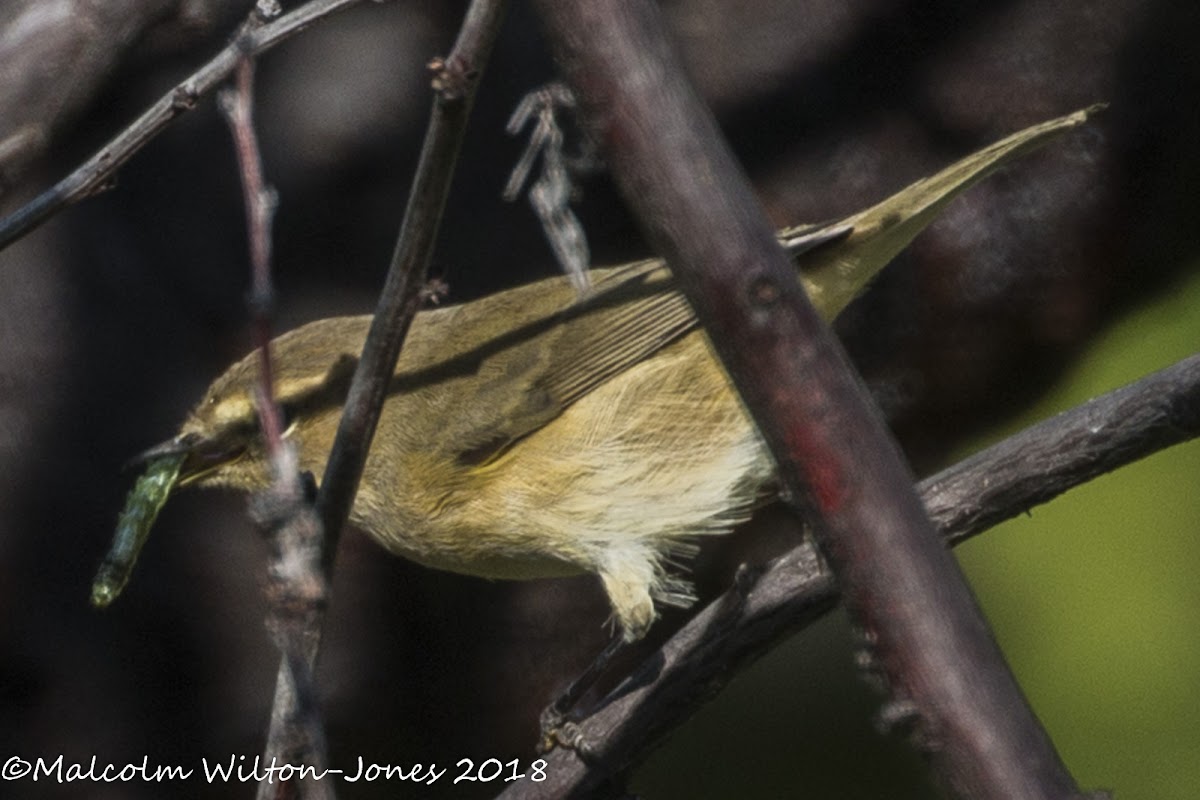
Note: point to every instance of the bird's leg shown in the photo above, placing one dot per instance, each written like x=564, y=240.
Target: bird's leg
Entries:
x=554, y=722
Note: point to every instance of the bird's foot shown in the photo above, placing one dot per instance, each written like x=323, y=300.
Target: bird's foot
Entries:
x=560, y=730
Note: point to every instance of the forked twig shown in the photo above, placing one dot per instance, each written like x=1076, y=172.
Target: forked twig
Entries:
x=96, y=174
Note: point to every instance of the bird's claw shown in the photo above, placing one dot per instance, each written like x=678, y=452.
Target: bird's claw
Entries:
x=558, y=730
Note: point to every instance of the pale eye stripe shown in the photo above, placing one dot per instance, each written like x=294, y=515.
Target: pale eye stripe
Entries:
x=288, y=389
x=233, y=409
x=240, y=407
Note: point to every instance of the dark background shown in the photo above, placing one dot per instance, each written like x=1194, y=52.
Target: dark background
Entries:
x=116, y=315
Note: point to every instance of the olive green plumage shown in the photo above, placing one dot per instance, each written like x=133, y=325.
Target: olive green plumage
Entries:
x=539, y=433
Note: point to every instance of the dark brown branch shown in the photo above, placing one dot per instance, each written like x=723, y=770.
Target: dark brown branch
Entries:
x=455, y=79
x=996, y=484
x=947, y=680
x=95, y=174
x=1047, y=459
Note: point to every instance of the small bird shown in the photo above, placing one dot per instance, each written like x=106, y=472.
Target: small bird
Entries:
x=538, y=432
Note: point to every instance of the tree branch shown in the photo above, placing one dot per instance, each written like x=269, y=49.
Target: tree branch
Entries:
x=95, y=174
x=237, y=106
x=1060, y=453
x=794, y=590
x=296, y=589
x=55, y=56
x=455, y=79
x=947, y=680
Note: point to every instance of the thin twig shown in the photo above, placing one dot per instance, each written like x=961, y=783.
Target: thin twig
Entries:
x=726, y=637
x=95, y=175
x=296, y=590
x=237, y=106
x=455, y=79
x=946, y=679
x=57, y=56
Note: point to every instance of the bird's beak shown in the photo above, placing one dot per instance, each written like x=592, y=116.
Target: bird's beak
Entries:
x=201, y=456
x=183, y=444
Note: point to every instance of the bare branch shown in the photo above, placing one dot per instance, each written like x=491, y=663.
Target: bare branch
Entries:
x=455, y=79
x=55, y=56
x=794, y=590
x=297, y=591
x=947, y=680
x=95, y=174
x=237, y=106
x=1069, y=449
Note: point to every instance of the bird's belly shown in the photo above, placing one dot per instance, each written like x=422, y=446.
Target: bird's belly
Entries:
x=659, y=453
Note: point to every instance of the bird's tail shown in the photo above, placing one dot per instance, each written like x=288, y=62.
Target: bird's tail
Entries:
x=837, y=260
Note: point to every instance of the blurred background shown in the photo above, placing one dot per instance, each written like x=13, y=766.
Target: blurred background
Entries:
x=1065, y=276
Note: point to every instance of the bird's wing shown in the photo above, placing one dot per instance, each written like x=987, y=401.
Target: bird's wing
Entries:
x=637, y=310
x=631, y=313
